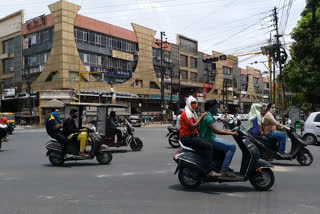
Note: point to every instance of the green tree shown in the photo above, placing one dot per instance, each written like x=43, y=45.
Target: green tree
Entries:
x=302, y=73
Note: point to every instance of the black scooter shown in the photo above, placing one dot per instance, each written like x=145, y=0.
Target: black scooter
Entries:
x=268, y=148
x=193, y=169
x=96, y=149
x=173, y=137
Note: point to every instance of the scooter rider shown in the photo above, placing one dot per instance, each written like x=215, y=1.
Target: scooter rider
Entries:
x=270, y=126
x=73, y=133
x=112, y=125
x=208, y=132
x=53, y=129
x=189, y=122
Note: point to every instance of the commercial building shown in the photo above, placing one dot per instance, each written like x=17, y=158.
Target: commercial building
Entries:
x=46, y=54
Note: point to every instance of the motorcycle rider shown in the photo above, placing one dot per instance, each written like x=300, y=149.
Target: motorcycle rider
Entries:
x=255, y=119
x=208, y=132
x=189, y=122
x=270, y=126
x=53, y=129
x=3, y=128
x=112, y=125
x=73, y=133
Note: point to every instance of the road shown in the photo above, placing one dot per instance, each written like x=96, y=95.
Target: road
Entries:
x=140, y=182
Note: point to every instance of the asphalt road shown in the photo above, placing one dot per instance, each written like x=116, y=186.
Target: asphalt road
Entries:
x=140, y=182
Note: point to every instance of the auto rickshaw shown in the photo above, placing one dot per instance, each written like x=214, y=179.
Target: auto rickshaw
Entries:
x=99, y=120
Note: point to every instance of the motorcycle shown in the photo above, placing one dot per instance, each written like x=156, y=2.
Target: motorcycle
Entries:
x=173, y=137
x=127, y=138
x=192, y=169
x=268, y=148
x=95, y=148
x=3, y=133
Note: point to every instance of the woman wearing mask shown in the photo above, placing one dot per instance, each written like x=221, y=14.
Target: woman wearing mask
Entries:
x=189, y=122
x=255, y=119
x=270, y=126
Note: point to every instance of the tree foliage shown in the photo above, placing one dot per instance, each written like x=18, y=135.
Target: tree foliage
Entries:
x=302, y=73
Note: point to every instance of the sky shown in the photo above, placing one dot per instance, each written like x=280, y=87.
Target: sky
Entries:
x=232, y=27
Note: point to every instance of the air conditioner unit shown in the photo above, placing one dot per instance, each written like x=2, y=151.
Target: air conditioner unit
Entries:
x=11, y=69
x=166, y=59
x=158, y=58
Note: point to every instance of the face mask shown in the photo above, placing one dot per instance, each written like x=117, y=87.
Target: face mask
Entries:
x=273, y=111
x=215, y=111
x=194, y=106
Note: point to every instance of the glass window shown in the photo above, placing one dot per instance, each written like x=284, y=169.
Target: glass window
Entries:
x=103, y=41
x=255, y=80
x=194, y=77
x=184, y=75
x=8, y=65
x=73, y=76
x=85, y=58
x=226, y=70
x=85, y=36
x=193, y=62
x=79, y=35
x=317, y=118
x=8, y=46
x=93, y=59
x=183, y=60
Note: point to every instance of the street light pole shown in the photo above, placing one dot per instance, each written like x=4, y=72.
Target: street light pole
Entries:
x=162, y=33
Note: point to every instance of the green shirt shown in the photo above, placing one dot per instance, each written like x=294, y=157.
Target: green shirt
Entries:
x=205, y=131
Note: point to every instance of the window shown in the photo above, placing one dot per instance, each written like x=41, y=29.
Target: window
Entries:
x=86, y=58
x=317, y=118
x=183, y=60
x=255, y=80
x=215, y=91
x=154, y=85
x=184, y=75
x=194, y=77
x=226, y=70
x=266, y=85
x=8, y=46
x=193, y=62
x=8, y=66
x=73, y=76
x=244, y=78
x=53, y=76
x=227, y=82
x=138, y=83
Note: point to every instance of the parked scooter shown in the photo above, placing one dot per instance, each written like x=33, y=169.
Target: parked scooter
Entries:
x=268, y=148
x=95, y=148
x=173, y=137
x=135, y=143
x=193, y=169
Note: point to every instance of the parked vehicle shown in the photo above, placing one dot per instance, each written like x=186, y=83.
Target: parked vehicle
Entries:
x=311, y=133
x=135, y=120
x=95, y=148
x=192, y=169
x=173, y=137
x=11, y=121
x=269, y=148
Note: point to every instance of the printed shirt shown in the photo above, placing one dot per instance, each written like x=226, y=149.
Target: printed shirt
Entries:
x=206, y=132
x=184, y=128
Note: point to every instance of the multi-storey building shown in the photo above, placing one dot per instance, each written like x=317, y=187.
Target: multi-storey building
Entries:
x=47, y=53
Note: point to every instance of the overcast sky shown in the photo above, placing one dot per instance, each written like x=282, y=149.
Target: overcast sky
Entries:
x=229, y=26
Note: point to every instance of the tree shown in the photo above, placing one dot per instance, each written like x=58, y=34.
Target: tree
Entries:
x=302, y=73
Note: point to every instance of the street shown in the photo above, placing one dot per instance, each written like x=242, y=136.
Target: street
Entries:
x=140, y=182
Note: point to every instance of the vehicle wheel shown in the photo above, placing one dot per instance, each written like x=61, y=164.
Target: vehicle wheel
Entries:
x=56, y=158
x=310, y=139
x=189, y=178
x=262, y=180
x=104, y=158
x=304, y=157
x=174, y=140
x=0, y=145
x=136, y=144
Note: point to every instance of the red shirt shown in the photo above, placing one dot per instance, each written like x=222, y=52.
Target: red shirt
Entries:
x=184, y=128
x=3, y=121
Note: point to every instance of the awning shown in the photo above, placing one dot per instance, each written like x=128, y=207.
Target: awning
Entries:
x=53, y=104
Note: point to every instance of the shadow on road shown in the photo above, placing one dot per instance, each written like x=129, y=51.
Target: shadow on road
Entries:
x=75, y=164
x=214, y=189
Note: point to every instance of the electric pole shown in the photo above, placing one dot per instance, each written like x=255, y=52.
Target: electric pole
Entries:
x=162, y=33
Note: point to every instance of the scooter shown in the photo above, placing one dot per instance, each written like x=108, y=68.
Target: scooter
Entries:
x=268, y=148
x=192, y=169
x=127, y=138
x=173, y=137
x=95, y=148
x=4, y=133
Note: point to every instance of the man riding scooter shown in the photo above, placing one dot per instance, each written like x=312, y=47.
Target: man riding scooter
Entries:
x=208, y=132
x=189, y=122
x=112, y=126
x=53, y=127
x=73, y=133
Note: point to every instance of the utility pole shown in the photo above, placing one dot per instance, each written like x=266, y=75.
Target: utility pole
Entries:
x=162, y=33
x=27, y=73
x=179, y=95
x=171, y=72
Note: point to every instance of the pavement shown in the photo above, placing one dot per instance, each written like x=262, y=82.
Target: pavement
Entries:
x=141, y=182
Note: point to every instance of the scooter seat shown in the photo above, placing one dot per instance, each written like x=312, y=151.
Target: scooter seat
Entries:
x=262, y=138
x=53, y=140
x=185, y=147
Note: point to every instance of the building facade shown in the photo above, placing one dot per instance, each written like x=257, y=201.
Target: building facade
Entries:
x=49, y=52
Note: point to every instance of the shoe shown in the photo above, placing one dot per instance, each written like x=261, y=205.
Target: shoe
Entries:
x=82, y=154
x=229, y=169
x=283, y=154
x=227, y=173
x=213, y=174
